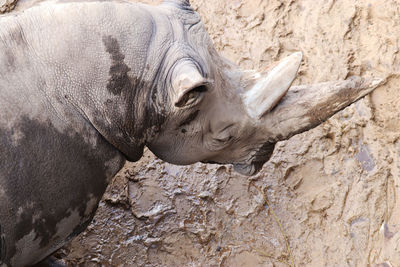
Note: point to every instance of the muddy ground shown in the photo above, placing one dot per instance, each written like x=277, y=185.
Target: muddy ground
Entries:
x=327, y=197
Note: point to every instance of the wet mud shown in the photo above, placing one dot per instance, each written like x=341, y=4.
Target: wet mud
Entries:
x=327, y=197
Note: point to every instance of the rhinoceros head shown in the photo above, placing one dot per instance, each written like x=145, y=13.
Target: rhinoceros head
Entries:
x=221, y=114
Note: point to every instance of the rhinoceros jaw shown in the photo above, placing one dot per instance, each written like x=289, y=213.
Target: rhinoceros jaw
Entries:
x=270, y=88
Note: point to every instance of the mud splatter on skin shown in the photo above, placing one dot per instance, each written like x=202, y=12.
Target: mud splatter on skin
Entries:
x=10, y=60
x=48, y=174
x=17, y=36
x=14, y=39
x=142, y=116
x=119, y=78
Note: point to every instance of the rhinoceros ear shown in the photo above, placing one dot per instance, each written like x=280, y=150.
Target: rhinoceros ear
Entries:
x=188, y=85
x=268, y=89
x=180, y=3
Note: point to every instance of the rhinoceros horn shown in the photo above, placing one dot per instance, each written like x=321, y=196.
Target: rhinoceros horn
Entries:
x=306, y=106
x=270, y=87
x=287, y=112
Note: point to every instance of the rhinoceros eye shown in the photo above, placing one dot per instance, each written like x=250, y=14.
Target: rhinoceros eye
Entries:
x=191, y=97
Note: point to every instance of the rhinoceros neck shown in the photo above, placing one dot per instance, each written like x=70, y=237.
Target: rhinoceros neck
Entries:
x=98, y=58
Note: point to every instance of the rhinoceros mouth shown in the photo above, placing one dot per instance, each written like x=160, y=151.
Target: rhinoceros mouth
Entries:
x=254, y=163
x=246, y=169
x=260, y=156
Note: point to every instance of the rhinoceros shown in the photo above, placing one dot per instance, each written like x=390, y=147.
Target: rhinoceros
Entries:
x=85, y=86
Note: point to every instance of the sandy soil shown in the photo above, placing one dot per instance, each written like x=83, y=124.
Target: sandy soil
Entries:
x=328, y=197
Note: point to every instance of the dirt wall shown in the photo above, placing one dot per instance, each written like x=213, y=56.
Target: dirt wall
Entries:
x=328, y=197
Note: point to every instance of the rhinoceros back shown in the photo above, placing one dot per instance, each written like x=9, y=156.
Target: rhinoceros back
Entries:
x=54, y=164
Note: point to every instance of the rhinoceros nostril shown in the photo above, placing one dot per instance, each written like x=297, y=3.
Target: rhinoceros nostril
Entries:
x=225, y=139
x=227, y=127
x=225, y=135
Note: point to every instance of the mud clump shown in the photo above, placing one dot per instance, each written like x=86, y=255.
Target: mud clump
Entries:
x=334, y=189
x=7, y=5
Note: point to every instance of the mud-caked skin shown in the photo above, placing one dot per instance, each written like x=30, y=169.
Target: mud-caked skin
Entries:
x=86, y=85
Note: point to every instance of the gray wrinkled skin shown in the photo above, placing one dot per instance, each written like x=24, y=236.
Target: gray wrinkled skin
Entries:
x=70, y=114
x=86, y=85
